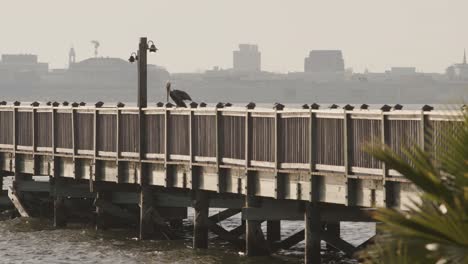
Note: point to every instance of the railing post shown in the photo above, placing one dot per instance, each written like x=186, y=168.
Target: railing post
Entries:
x=54, y=142
x=387, y=187
x=15, y=141
x=73, y=130
x=34, y=141
x=248, y=139
x=314, y=188
x=218, y=132
x=350, y=183
x=92, y=175
x=166, y=146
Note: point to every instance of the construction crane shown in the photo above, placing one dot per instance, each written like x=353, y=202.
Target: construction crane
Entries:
x=96, y=46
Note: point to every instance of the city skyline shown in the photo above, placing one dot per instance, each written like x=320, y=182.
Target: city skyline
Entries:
x=191, y=36
x=461, y=60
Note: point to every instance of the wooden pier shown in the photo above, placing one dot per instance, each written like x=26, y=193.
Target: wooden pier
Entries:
x=145, y=166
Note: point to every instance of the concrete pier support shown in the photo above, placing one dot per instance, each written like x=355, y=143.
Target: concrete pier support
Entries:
x=273, y=231
x=200, y=220
x=313, y=228
x=255, y=240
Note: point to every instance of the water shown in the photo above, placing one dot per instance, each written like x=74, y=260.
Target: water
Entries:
x=36, y=241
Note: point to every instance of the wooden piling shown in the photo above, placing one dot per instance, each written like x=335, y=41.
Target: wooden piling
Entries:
x=146, y=206
x=60, y=217
x=333, y=228
x=200, y=220
x=273, y=231
x=102, y=218
x=255, y=244
x=313, y=229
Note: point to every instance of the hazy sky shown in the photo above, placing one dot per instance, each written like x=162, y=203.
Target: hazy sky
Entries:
x=195, y=35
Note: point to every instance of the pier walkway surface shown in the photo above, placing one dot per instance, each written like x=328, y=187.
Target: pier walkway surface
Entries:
x=144, y=167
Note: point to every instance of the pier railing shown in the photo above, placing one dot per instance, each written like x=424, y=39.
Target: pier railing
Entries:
x=310, y=140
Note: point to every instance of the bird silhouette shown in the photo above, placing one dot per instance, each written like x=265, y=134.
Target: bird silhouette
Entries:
x=177, y=96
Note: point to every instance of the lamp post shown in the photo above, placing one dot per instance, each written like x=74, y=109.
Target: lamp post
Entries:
x=141, y=57
x=142, y=102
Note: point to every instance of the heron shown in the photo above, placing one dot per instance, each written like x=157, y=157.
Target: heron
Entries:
x=177, y=96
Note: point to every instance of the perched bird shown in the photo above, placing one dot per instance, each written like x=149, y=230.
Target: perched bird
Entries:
x=75, y=104
x=82, y=104
x=278, y=106
x=305, y=106
x=227, y=104
x=35, y=104
x=99, y=104
x=427, y=108
x=65, y=103
x=348, y=107
x=177, y=96
x=3, y=103
x=398, y=107
x=120, y=104
x=16, y=103
x=333, y=106
x=385, y=108
x=160, y=104
x=314, y=106
x=364, y=106
x=202, y=104
x=251, y=105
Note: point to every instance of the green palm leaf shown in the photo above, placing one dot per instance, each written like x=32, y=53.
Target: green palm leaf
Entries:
x=434, y=230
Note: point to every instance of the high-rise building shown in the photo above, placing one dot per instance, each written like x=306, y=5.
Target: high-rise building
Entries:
x=324, y=61
x=247, y=58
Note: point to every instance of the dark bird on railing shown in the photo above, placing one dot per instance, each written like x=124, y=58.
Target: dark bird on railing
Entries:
x=99, y=104
x=398, y=107
x=364, y=107
x=177, y=96
x=3, y=103
x=251, y=105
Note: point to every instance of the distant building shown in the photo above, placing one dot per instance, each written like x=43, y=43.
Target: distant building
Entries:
x=402, y=71
x=247, y=58
x=325, y=65
x=105, y=69
x=324, y=61
x=458, y=72
x=21, y=67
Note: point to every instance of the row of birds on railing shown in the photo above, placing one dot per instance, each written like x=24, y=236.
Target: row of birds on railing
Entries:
x=251, y=105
